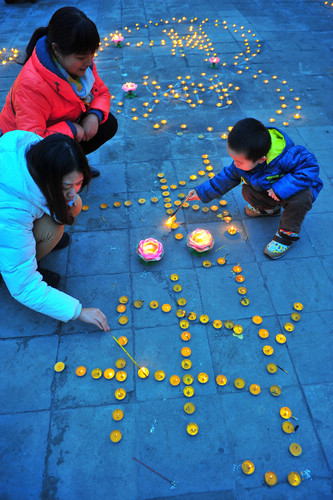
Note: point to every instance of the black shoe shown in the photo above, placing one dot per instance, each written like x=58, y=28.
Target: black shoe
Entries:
x=63, y=243
x=95, y=172
x=50, y=277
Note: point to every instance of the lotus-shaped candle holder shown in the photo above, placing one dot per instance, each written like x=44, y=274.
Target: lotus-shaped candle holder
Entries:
x=150, y=250
x=117, y=39
x=129, y=88
x=200, y=240
x=214, y=61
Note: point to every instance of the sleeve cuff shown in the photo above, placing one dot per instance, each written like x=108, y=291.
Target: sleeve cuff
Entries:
x=96, y=112
x=72, y=127
x=77, y=311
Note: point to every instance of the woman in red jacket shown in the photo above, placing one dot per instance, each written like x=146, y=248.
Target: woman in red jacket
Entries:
x=58, y=88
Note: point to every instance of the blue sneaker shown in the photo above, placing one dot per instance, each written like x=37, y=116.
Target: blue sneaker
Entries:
x=280, y=244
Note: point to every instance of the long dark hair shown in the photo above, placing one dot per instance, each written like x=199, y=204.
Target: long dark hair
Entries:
x=49, y=160
x=71, y=30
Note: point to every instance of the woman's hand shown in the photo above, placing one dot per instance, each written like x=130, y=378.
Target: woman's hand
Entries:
x=193, y=195
x=95, y=317
x=271, y=193
x=90, y=126
x=79, y=132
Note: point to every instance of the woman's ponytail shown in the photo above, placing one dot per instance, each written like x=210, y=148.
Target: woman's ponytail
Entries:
x=38, y=33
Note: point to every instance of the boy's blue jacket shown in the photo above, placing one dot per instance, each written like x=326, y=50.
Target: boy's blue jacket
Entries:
x=292, y=170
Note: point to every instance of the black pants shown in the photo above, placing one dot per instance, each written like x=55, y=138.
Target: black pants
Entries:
x=105, y=132
x=295, y=207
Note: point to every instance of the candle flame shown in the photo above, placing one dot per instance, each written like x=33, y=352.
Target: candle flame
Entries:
x=171, y=220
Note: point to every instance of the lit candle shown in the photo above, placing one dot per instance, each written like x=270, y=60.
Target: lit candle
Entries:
x=248, y=467
x=232, y=230
x=294, y=478
x=255, y=389
x=200, y=240
x=192, y=429
x=143, y=372
x=115, y=436
x=150, y=250
x=270, y=478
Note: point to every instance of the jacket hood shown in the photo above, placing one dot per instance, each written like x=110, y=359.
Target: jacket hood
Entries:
x=17, y=187
x=288, y=143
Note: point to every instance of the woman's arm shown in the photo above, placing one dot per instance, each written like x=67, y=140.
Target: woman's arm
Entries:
x=19, y=269
x=102, y=97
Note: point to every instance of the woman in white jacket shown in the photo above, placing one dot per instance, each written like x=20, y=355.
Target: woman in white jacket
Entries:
x=39, y=182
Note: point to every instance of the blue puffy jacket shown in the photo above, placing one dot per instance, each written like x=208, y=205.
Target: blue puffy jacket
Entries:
x=290, y=171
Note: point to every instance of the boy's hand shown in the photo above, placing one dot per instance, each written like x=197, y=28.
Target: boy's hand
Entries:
x=271, y=193
x=193, y=195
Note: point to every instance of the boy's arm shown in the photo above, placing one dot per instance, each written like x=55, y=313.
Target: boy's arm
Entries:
x=301, y=172
x=220, y=184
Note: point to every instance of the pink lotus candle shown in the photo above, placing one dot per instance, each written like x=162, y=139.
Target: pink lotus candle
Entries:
x=200, y=240
x=214, y=61
x=117, y=39
x=129, y=88
x=150, y=250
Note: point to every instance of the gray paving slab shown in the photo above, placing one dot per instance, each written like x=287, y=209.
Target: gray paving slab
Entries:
x=55, y=427
x=21, y=435
x=31, y=358
x=69, y=465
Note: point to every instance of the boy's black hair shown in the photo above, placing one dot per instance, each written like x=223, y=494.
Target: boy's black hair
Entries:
x=250, y=138
x=48, y=161
x=71, y=30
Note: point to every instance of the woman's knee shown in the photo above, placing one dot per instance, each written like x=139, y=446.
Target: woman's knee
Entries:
x=112, y=125
x=47, y=234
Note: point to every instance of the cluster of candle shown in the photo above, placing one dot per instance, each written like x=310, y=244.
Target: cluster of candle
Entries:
x=6, y=56
x=166, y=193
x=197, y=39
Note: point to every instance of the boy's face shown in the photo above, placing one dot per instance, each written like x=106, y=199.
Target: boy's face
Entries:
x=242, y=162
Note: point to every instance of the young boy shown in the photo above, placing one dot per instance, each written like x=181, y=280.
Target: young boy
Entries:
x=275, y=174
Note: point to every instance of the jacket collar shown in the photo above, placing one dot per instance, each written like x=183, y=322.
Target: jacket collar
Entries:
x=44, y=57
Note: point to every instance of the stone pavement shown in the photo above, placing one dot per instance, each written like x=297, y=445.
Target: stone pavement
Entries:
x=55, y=427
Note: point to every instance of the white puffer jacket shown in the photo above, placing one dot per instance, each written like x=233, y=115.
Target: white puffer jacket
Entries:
x=21, y=203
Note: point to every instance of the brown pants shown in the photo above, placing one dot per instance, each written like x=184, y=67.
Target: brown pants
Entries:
x=47, y=233
x=295, y=208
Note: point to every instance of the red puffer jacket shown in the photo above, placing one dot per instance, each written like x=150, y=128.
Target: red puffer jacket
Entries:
x=43, y=102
